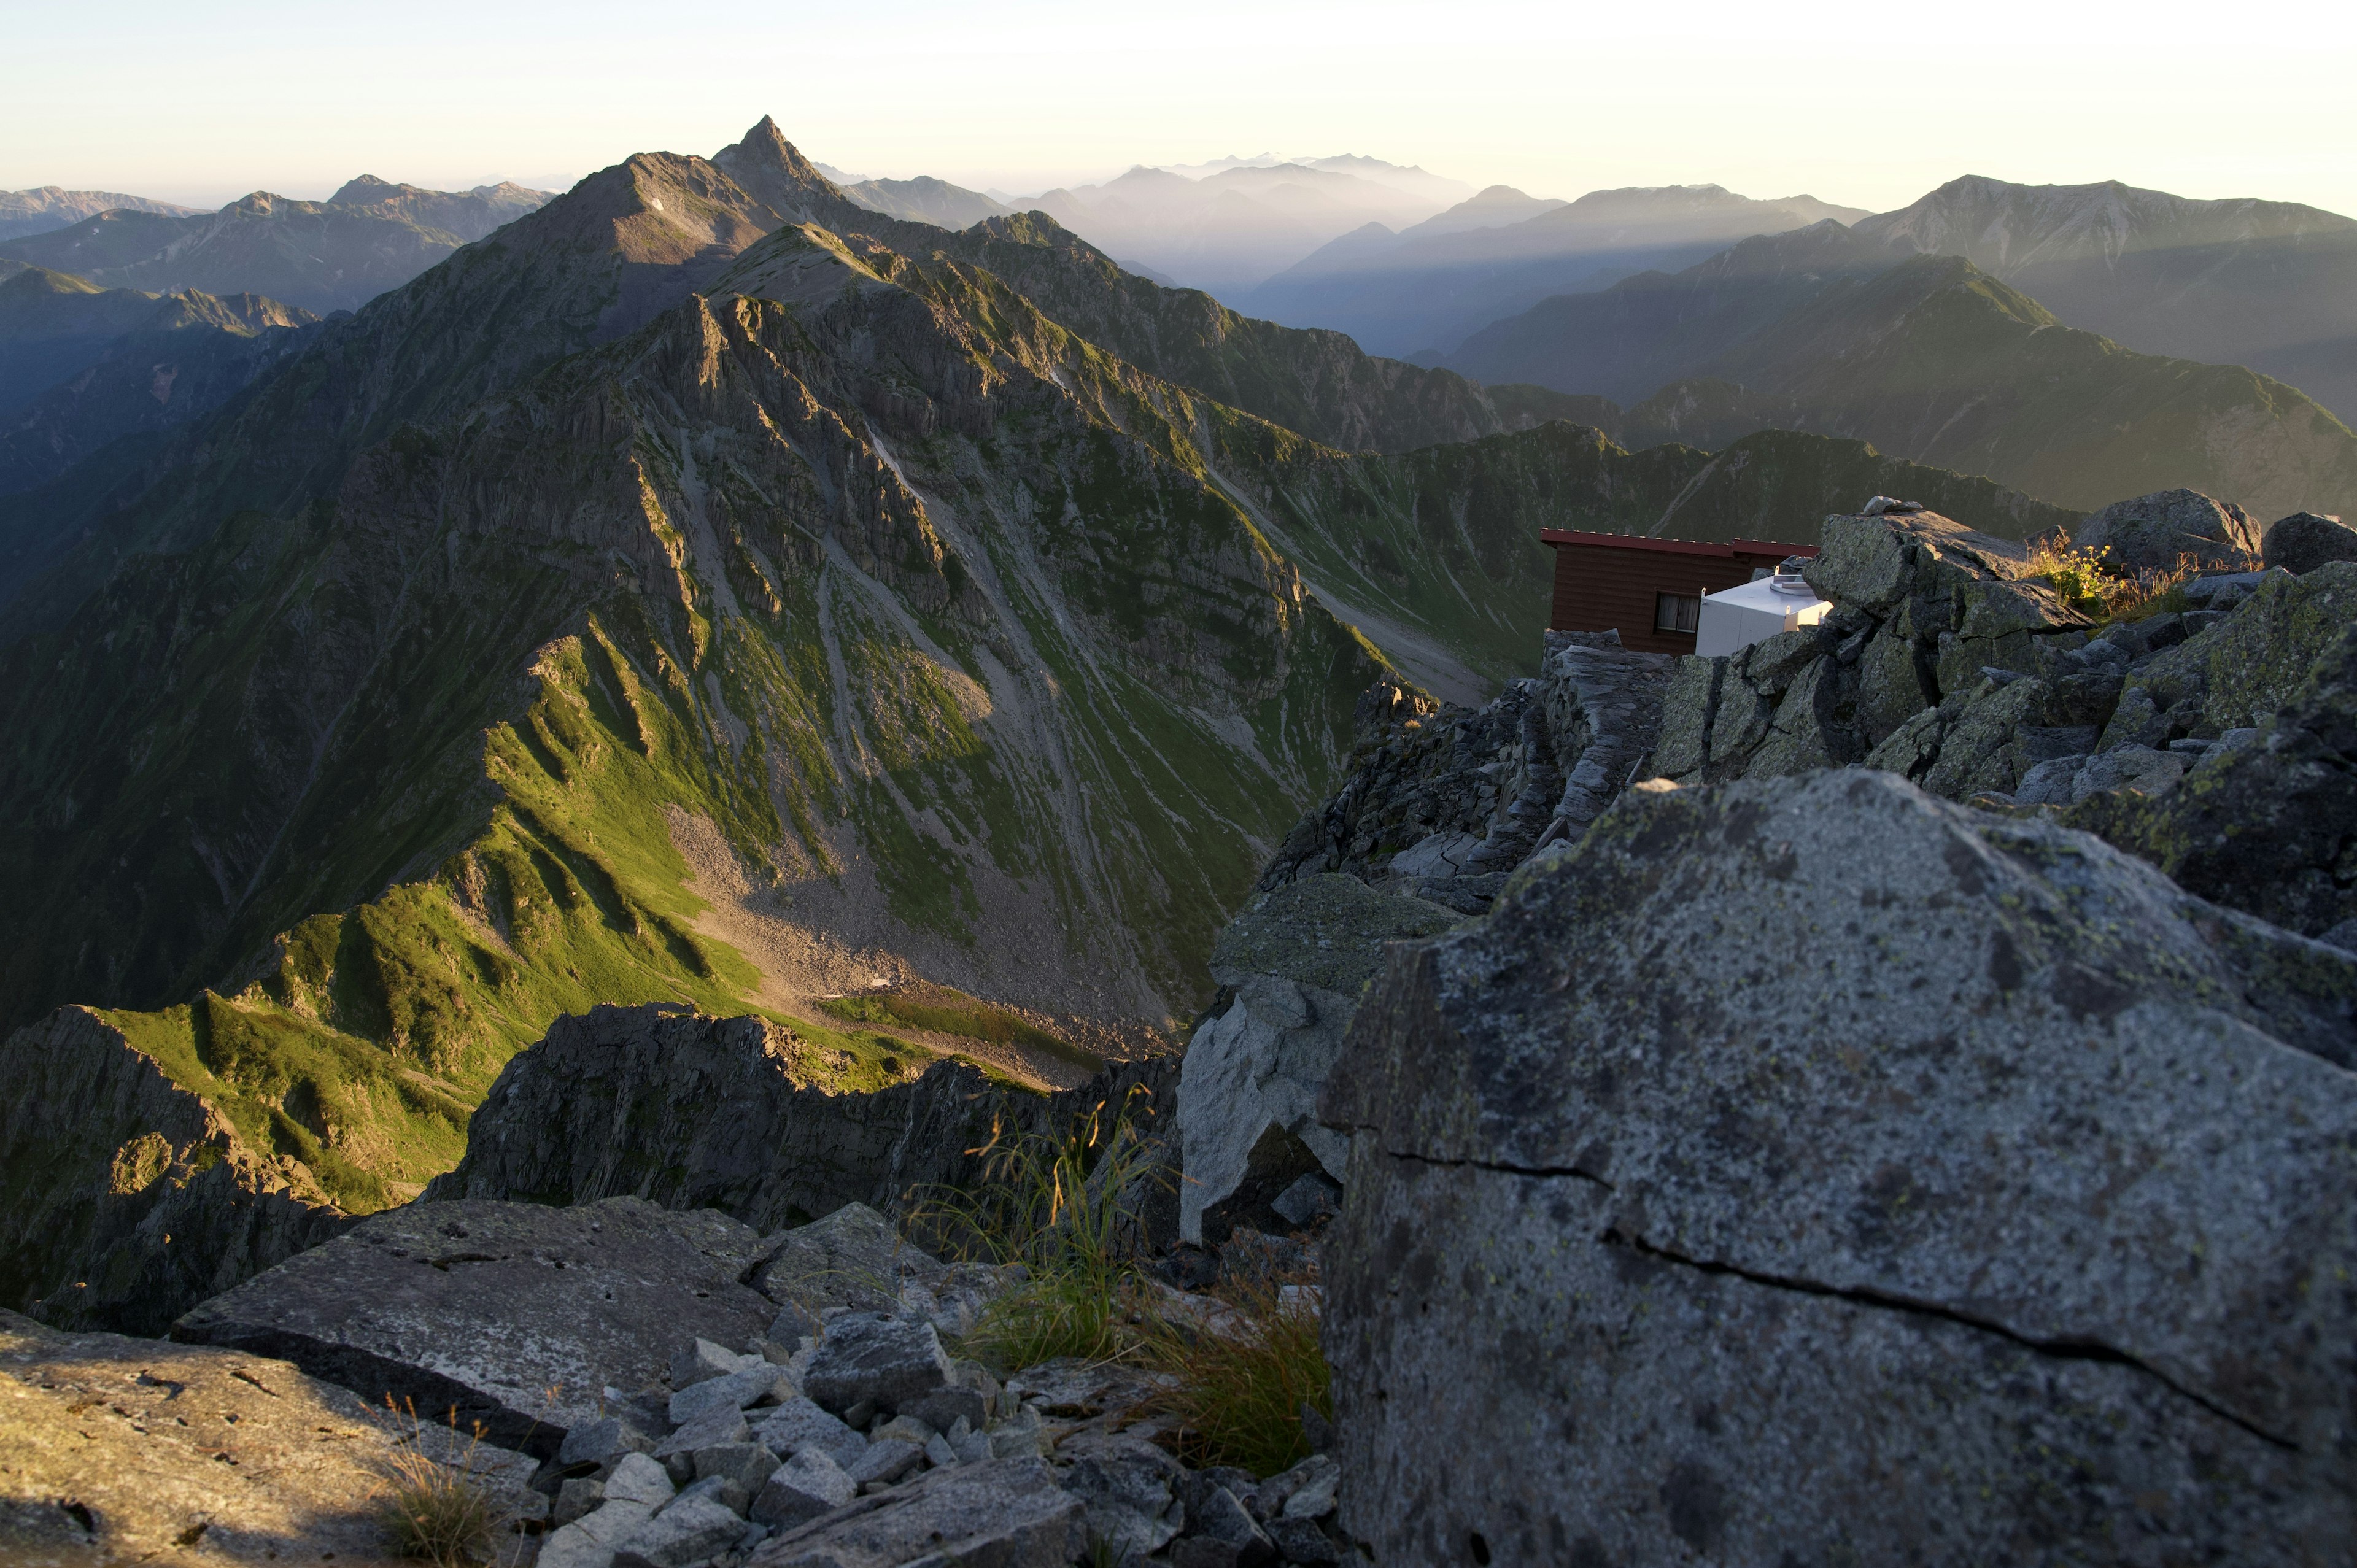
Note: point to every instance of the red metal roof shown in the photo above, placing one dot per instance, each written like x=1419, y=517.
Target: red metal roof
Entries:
x=1674, y=546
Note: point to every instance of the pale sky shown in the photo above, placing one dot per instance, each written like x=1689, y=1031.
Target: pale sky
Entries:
x=1868, y=104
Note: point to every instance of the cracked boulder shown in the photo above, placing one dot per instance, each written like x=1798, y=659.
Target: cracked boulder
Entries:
x=519, y=1316
x=1812, y=1170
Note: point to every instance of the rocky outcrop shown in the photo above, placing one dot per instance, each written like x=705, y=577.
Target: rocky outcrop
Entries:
x=521, y=1316
x=2264, y=819
x=1775, y=1103
x=1923, y=606
x=124, y=1198
x=692, y=1111
x=1941, y=663
x=1443, y=806
x=121, y=1450
x=1291, y=968
x=2158, y=532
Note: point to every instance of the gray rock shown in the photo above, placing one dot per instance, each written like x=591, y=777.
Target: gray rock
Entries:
x=574, y=1497
x=638, y=1479
x=713, y=1428
x=1071, y=1387
x=1314, y=1498
x=803, y=1489
x=1780, y=1102
x=2263, y=820
x=1020, y=1434
x=1295, y=961
x=938, y=1451
x=1129, y=1488
x=735, y=1391
x=590, y=1541
x=702, y=1360
x=2153, y=532
x=1926, y=609
x=2306, y=539
x=1302, y=1540
x=747, y=1465
x=886, y=1461
x=800, y=1423
x=691, y=1529
x=490, y=1307
x=853, y=1257
x=601, y=1442
x=943, y=1406
x=1214, y=1514
x=723, y=1489
x=1008, y=1513
x=907, y=1427
x=2243, y=671
x=1309, y=1201
x=875, y=1359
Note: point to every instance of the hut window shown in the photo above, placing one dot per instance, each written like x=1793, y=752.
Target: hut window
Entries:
x=1676, y=612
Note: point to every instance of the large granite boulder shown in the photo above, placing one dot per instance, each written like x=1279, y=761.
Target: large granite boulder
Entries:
x=124, y=1198
x=2306, y=540
x=519, y=1316
x=122, y=1450
x=2155, y=533
x=1293, y=964
x=692, y=1112
x=1812, y=1170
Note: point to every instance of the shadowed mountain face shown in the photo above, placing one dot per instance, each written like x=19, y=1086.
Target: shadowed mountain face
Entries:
x=53, y=326
x=322, y=256
x=38, y=211
x=1849, y=332
x=181, y=357
x=707, y=589
x=1430, y=287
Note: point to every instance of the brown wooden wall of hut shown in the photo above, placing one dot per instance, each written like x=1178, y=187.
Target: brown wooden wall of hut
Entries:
x=1614, y=587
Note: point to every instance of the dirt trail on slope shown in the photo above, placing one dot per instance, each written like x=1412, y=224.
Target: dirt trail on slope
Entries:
x=802, y=965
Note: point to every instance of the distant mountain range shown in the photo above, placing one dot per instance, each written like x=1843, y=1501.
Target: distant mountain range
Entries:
x=322, y=256
x=38, y=211
x=1234, y=226
x=2270, y=284
x=1851, y=332
x=1429, y=286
